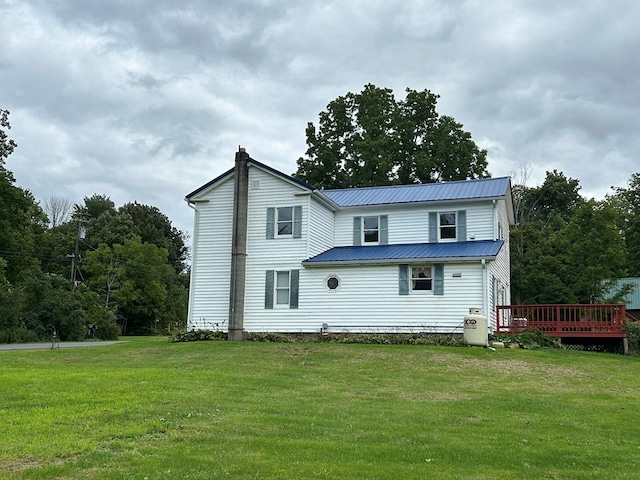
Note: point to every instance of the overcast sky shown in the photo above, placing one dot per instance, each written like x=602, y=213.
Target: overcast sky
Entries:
x=147, y=100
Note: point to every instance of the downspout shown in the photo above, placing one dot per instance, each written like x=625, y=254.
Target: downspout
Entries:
x=495, y=222
x=485, y=293
x=193, y=262
x=239, y=247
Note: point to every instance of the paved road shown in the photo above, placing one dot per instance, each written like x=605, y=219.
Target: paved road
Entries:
x=41, y=346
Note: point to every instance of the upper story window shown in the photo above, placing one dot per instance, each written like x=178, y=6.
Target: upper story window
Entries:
x=285, y=221
x=447, y=226
x=370, y=230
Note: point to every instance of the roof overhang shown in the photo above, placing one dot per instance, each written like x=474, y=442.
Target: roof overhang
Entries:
x=414, y=253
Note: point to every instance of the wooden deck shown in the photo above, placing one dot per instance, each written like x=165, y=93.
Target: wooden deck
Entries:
x=564, y=321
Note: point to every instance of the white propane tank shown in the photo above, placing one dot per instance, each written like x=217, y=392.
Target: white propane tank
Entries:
x=475, y=328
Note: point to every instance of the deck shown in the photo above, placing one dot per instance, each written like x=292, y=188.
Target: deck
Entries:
x=564, y=321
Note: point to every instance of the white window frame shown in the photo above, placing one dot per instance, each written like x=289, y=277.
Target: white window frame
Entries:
x=277, y=288
x=454, y=226
x=278, y=222
x=415, y=278
x=364, y=231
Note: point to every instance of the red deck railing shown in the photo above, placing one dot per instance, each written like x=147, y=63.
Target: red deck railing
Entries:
x=563, y=320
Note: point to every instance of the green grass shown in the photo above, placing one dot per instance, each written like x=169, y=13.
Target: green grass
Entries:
x=155, y=410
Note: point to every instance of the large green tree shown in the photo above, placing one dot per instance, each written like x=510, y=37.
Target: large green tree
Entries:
x=370, y=139
x=627, y=200
x=564, y=249
x=21, y=218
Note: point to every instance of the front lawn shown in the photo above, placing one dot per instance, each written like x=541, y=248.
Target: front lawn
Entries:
x=150, y=409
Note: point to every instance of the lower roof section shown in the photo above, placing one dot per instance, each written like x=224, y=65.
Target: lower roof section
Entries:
x=409, y=253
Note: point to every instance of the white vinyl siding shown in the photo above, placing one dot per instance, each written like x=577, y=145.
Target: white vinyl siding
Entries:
x=209, y=302
x=368, y=301
x=320, y=229
x=410, y=224
x=279, y=255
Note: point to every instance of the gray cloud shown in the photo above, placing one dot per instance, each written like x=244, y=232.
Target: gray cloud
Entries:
x=147, y=100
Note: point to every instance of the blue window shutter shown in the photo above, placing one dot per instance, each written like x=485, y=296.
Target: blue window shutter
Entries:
x=357, y=226
x=461, y=234
x=403, y=276
x=433, y=227
x=295, y=288
x=297, y=221
x=268, y=289
x=384, y=230
x=438, y=279
x=271, y=222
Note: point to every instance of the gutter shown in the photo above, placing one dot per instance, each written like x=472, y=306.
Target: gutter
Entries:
x=395, y=261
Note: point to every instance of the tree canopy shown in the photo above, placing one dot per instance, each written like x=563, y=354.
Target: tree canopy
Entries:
x=371, y=139
x=131, y=265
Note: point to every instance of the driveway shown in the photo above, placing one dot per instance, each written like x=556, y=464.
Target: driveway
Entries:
x=42, y=346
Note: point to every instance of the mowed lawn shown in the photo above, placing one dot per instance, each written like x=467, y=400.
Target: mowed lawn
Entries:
x=148, y=409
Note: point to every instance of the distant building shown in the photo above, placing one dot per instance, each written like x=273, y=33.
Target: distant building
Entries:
x=632, y=299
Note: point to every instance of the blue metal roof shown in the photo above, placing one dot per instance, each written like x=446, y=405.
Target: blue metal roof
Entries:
x=428, y=192
x=407, y=252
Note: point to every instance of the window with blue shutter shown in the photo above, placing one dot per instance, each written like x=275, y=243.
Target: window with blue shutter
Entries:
x=284, y=222
x=281, y=289
x=371, y=230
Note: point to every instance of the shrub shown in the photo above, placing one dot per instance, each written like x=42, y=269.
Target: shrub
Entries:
x=530, y=338
x=633, y=336
x=197, y=335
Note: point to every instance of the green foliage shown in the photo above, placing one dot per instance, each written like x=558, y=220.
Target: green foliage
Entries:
x=149, y=408
x=531, y=338
x=633, y=336
x=6, y=144
x=564, y=249
x=627, y=201
x=197, y=335
x=361, y=338
x=372, y=139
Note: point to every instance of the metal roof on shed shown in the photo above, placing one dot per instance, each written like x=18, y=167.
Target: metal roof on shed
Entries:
x=428, y=192
x=632, y=299
x=407, y=252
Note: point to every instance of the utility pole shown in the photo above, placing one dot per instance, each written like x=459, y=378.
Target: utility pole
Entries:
x=75, y=257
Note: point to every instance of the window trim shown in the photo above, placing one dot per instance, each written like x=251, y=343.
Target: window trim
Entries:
x=326, y=283
x=276, y=289
x=363, y=231
x=277, y=223
x=454, y=226
x=413, y=280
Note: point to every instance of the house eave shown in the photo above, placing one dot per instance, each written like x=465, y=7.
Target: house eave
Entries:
x=396, y=261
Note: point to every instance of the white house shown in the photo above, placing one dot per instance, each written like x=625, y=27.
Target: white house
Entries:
x=407, y=258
